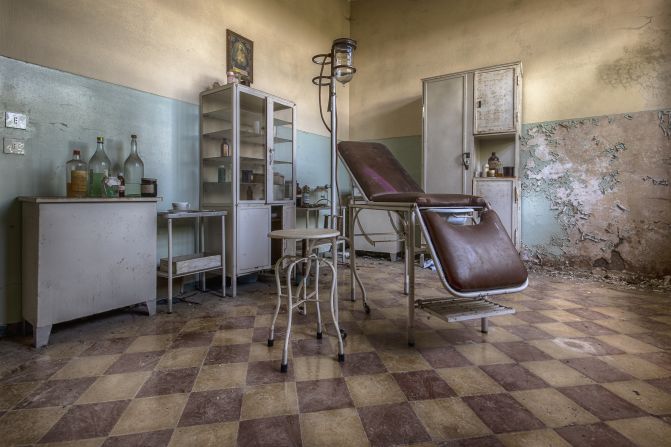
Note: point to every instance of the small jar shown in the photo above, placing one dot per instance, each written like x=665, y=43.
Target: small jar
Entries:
x=232, y=78
x=148, y=187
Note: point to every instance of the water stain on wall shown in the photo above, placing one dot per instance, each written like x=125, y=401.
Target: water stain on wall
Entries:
x=604, y=184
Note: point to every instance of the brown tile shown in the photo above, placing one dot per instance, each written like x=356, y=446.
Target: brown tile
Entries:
x=158, y=326
x=362, y=363
x=462, y=335
x=209, y=435
x=421, y=385
x=192, y=340
x=501, y=413
x=528, y=332
x=643, y=395
x=645, y=431
x=86, y=421
x=534, y=317
x=589, y=328
x=444, y=357
x=662, y=359
x=553, y=408
x=514, y=377
x=109, y=346
x=159, y=438
x=140, y=361
x=659, y=340
x=260, y=334
x=114, y=387
x=216, y=377
x=312, y=347
x=597, y=370
x=270, y=432
x=57, y=393
x=485, y=441
x=470, y=381
x=449, y=419
x=12, y=394
x=234, y=337
x=90, y=442
x=227, y=354
x=244, y=322
x=150, y=414
x=601, y=402
x=560, y=330
x=662, y=384
x=259, y=373
x=333, y=428
x=208, y=407
x=274, y=399
x=36, y=370
x=183, y=358
x=169, y=381
x=319, y=395
x=374, y=389
x=522, y=352
x=593, y=435
x=587, y=314
x=392, y=424
x=28, y=426
x=546, y=438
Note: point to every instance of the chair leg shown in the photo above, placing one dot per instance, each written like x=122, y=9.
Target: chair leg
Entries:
x=484, y=325
x=278, y=283
x=285, y=352
x=319, y=314
x=334, y=304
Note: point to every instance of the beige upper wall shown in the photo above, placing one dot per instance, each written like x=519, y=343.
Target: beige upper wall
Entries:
x=580, y=57
x=175, y=48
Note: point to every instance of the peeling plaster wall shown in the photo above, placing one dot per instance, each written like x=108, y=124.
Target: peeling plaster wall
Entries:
x=595, y=192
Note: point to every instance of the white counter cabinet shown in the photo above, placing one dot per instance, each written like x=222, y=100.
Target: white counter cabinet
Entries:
x=85, y=256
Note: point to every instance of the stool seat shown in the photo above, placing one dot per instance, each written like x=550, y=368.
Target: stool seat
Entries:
x=304, y=233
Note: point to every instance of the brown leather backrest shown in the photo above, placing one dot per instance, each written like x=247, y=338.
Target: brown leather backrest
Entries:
x=375, y=168
x=475, y=257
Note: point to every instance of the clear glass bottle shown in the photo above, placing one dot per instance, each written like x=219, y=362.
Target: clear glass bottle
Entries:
x=77, y=174
x=133, y=170
x=99, y=168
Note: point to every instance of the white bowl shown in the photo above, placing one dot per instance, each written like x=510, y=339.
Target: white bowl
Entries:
x=180, y=205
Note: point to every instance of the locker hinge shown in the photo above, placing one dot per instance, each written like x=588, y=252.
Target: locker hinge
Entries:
x=517, y=79
x=516, y=195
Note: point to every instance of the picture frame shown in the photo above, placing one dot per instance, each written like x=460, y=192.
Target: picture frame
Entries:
x=240, y=55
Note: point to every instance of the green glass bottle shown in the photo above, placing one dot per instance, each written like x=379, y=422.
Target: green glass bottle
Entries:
x=133, y=170
x=99, y=168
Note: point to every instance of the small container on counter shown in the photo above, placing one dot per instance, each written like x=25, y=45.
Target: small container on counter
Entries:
x=149, y=187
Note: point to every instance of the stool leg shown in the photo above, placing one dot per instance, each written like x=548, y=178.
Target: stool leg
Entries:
x=334, y=314
x=319, y=314
x=278, y=283
x=285, y=352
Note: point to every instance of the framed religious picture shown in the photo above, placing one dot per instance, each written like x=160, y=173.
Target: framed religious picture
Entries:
x=240, y=56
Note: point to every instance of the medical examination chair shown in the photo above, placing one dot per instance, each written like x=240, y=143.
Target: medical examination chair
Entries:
x=471, y=250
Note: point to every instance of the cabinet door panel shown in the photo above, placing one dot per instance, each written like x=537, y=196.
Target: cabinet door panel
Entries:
x=494, y=96
x=444, y=119
x=289, y=221
x=501, y=196
x=253, y=242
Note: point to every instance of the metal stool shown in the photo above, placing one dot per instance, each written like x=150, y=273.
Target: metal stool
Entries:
x=309, y=236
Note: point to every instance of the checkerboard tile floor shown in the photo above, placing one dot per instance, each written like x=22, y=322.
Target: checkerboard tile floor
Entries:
x=580, y=364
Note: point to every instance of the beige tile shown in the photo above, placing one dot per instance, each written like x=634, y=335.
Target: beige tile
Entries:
x=449, y=419
x=509, y=320
x=233, y=337
x=315, y=368
x=553, y=408
x=114, y=387
x=645, y=432
x=560, y=330
x=85, y=367
x=378, y=327
x=498, y=334
x=636, y=366
x=397, y=360
x=563, y=348
x=28, y=426
x=241, y=311
x=428, y=339
x=267, y=319
x=483, y=354
x=94, y=442
x=183, y=358
x=260, y=352
x=210, y=435
x=468, y=381
x=201, y=325
x=536, y=438
x=353, y=343
x=66, y=350
x=560, y=315
x=627, y=344
x=275, y=399
x=12, y=394
x=621, y=326
x=151, y=413
x=561, y=303
x=333, y=428
x=557, y=374
x=375, y=389
x=616, y=312
x=215, y=377
x=643, y=395
x=151, y=343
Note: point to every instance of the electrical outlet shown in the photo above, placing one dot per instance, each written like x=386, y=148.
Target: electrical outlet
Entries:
x=14, y=146
x=16, y=120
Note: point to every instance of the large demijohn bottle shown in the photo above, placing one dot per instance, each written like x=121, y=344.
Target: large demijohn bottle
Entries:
x=133, y=170
x=99, y=168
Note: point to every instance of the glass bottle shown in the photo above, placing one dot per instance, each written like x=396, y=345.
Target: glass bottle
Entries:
x=77, y=175
x=99, y=168
x=495, y=164
x=133, y=170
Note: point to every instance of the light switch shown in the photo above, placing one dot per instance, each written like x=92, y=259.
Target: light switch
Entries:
x=16, y=120
x=14, y=146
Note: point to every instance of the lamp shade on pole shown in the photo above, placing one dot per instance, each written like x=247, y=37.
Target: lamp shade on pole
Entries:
x=342, y=52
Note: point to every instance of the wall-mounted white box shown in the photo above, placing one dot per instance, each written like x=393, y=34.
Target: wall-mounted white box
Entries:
x=16, y=120
x=13, y=146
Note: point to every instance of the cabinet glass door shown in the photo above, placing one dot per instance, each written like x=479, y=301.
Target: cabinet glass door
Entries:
x=252, y=147
x=281, y=153
x=217, y=147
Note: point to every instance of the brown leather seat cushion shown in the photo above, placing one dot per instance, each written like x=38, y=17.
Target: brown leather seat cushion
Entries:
x=475, y=257
x=383, y=179
x=423, y=199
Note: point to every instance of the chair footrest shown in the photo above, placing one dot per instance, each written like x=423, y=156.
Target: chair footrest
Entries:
x=461, y=309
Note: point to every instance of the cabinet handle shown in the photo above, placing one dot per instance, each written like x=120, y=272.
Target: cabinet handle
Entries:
x=270, y=156
x=479, y=104
x=517, y=197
